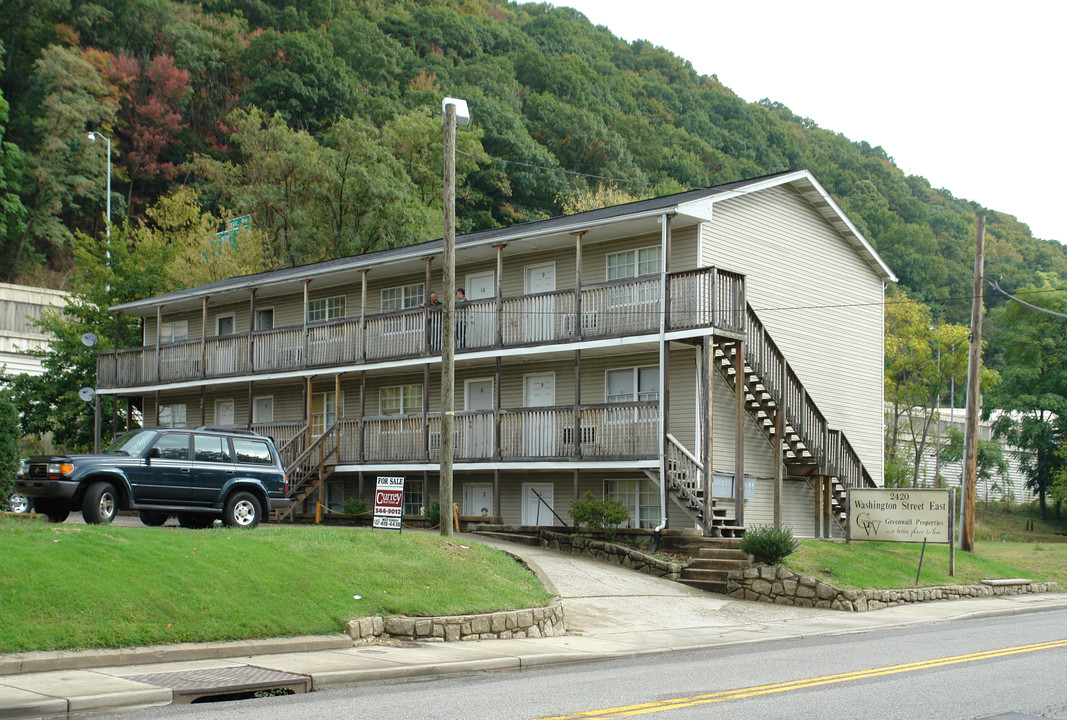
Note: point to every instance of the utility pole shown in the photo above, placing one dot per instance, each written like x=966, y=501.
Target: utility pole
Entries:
x=448, y=348
x=974, y=400
x=455, y=111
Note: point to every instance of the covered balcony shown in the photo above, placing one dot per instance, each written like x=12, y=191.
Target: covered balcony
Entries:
x=707, y=298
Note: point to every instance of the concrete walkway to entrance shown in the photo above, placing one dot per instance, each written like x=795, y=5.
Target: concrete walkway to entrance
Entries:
x=610, y=613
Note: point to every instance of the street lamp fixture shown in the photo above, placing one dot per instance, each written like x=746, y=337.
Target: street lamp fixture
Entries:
x=93, y=135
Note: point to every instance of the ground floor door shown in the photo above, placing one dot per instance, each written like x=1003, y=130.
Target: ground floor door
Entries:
x=537, y=501
x=478, y=499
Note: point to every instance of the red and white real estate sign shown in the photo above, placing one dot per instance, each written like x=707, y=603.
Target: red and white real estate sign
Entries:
x=389, y=502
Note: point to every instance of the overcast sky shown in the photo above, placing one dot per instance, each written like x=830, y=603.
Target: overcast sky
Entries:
x=969, y=95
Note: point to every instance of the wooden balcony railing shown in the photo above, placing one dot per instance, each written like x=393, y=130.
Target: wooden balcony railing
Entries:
x=708, y=297
x=622, y=431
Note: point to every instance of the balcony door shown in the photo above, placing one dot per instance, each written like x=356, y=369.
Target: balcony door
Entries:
x=539, y=313
x=478, y=429
x=539, y=428
x=475, y=324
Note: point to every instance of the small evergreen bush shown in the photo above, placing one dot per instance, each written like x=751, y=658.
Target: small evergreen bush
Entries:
x=769, y=544
x=433, y=514
x=354, y=506
x=599, y=514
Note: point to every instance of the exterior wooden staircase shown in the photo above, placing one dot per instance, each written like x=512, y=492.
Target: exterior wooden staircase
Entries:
x=307, y=467
x=685, y=483
x=778, y=402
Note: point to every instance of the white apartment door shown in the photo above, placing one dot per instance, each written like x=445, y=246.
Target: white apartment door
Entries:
x=224, y=412
x=226, y=346
x=478, y=429
x=540, y=312
x=537, y=501
x=539, y=430
x=263, y=409
x=476, y=324
x=478, y=499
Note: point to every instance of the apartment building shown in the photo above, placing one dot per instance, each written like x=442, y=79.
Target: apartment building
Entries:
x=711, y=359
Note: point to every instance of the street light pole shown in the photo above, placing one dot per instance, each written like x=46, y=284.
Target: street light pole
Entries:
x=92, y=138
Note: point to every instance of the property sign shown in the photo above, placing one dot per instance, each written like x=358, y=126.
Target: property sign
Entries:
x=389, y=502
x=900, y=515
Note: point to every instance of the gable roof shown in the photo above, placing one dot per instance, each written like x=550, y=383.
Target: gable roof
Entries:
x=696, y=204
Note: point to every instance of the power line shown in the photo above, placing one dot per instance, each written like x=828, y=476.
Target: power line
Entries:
x=997, y=287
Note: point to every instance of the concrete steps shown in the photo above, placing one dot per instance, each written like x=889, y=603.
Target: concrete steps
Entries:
x=712, y=564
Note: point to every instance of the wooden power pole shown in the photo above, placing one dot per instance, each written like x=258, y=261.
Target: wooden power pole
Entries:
x=974, y=399
x=448, y=348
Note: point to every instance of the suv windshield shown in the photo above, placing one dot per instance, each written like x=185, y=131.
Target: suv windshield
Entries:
x=131, y=443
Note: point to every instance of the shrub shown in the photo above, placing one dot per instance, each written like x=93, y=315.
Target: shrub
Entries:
x=599, y=514
x=769, y=544
x=433, y=514
x=354, y=506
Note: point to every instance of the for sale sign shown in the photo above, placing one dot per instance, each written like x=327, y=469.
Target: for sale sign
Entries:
x=389, y=502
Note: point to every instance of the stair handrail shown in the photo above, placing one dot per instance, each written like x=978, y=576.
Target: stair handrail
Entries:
x=692, y=458
x=800, y=418
x=299, y=461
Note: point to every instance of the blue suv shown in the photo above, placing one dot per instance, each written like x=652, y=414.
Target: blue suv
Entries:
x=198, y=475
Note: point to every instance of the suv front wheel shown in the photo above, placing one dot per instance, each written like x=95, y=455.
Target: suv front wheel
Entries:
x=242, y=510
x=100, y=503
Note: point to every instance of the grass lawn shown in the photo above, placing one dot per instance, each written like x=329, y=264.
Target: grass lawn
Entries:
x=82, y=586
x=1006, y=546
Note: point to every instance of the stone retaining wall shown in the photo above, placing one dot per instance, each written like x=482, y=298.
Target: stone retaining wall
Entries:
x=617, y=554
x=527, y=623
x=782, y=586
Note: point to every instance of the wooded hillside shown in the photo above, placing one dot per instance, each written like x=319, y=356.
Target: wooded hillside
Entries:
x=321, y=119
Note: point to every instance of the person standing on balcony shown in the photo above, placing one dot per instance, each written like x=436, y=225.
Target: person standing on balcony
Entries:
x=461, y=319
x=434, y=320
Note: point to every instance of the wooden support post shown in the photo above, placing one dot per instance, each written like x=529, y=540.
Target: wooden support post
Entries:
x=739, y=433
x=827, y=506
x=306, y=302
x=577, y=451
x=159, y=340
x=252, y=330
x=307, y=413
x=499, y=325
x=203, y=405
x=363, y=316
x=203, y=338
x=814, y=483
x=362, y=415
x=496, y=493
x=426, y=412
x=578, y=282
x=96, y=423
x=251, y=403
x=779, y=462
x=496, y=412
x=156, y=423
x=707, y=452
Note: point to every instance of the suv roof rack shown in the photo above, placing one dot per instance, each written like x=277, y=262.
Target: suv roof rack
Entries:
x=232, y=431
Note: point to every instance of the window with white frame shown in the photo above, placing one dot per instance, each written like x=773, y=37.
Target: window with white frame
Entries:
x=173, y=331
x=636, y=384
x=413, y=498
x=403, y=297
x=264, y=319
x=631, y=263
x=641, y=498
x=400, y=400
x=224, y=324
x=325, y=410
x=172, y=415
x=326, y=309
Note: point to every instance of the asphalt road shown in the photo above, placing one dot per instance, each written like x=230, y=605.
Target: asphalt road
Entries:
x=976, y=668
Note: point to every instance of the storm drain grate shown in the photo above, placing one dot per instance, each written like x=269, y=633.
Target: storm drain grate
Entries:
x=224, y=683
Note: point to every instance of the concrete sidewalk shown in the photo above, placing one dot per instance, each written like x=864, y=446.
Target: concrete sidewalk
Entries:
x=610, y=613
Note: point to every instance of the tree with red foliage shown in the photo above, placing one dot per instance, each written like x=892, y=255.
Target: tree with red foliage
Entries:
x=149, y=120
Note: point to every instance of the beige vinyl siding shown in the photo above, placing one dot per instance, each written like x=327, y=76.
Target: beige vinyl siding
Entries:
x=798, y=506
x=819, y=299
